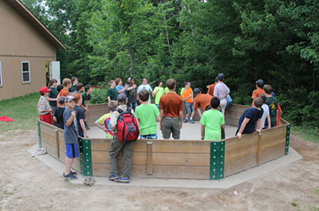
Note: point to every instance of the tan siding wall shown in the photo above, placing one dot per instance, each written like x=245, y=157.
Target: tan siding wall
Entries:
x=12, y=76
x=20, y=41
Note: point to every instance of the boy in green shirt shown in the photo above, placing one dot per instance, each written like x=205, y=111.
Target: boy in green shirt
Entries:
x=53, y=94
x=158, y=92
x=112, y=92
x=146, y=115
x=212, y=122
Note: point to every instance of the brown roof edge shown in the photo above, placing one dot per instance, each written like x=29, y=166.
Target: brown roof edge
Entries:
x=34, y=21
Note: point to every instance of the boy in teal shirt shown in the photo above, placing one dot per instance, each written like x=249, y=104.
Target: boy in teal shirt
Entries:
x=158, y=92
x=146, y=114
x=212, y=122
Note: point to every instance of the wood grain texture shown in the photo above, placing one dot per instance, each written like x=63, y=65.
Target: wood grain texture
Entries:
x=240, y=165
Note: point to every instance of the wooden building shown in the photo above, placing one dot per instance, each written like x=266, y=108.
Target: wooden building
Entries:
x=26, y=47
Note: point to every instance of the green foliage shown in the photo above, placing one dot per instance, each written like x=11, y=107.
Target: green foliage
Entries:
x=99, y=96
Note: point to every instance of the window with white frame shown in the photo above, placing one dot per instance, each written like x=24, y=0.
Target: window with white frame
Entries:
x=0, y=75
x=26, y=77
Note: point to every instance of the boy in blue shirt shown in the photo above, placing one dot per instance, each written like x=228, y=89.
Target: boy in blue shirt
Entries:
x=250, y=120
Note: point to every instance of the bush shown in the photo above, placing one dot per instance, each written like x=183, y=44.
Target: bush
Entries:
x=98, y=96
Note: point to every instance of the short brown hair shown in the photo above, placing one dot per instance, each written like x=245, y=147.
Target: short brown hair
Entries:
x=170, y=83
x=78, y=86
x=117, y=80
x=110, y=82
x=144, y=95
x=73, y=79
x=77, y=97
x=66, y=81
x=112, y=105
x=258, y=102
x=268, y=89
x=52, y=81
x=264, y=97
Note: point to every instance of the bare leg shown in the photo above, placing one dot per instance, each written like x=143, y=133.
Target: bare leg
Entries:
x=68, y=165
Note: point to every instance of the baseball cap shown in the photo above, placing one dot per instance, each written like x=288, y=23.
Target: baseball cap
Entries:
x=260, y=82
x=220, y=76
x=121, y=97
x=61, y=99
x=44, y=89
x=196, y=91
x=69, y=98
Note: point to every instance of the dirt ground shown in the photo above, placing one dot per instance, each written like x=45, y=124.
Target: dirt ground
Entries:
x=28, y=184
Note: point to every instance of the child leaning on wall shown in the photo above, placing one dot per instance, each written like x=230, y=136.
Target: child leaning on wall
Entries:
x=58, y=114
x=80, y=115
x=250, y=120
x=44, y=108
x=70, y=137
x=146, y=114
x=212, y=122
x=266, y=112
x=100, y=123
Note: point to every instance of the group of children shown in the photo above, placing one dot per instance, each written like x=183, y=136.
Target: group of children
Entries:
x=168, y=110
x=69, y=106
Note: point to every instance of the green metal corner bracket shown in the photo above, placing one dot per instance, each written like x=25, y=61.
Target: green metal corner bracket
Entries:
x=287, y=140
x=39, y=134
x=86, y=157
x=217, y=160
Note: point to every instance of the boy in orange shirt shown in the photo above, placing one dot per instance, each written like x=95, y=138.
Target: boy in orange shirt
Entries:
x=258, y=91
x=187, y=96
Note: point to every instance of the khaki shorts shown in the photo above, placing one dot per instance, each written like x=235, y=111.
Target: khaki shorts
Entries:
x=171, y=125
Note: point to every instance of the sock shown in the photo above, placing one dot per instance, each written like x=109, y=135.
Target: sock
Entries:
x=191, y=118
x=186, y=118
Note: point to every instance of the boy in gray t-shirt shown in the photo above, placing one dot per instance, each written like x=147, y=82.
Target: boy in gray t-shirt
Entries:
x=70, y=137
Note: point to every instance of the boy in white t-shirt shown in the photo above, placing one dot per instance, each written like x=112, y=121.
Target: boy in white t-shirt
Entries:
x=266, y=112
x=144, y=86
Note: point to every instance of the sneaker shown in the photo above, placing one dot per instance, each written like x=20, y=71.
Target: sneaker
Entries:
x=113, y=177
x=123, y=179
x=185, y=120
x=74, y=173
x=70, y=176
x=191, y=121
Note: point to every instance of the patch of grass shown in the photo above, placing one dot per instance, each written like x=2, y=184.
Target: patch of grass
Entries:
x=23, y=111
x=295, y=203
x=317, y=190
x=307, y=133
x=314, y=208
x=7, y=193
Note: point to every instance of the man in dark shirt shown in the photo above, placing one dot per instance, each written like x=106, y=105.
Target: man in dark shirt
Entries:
x=250, y=120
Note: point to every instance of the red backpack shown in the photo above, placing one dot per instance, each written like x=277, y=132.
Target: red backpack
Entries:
x=127, y=127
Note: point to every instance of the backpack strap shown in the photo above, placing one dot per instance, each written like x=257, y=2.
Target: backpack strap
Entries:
x=119, y=110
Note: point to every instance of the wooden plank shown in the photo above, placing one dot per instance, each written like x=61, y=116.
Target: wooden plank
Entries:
x=234, y=142
x=237, y=108
x=104, y=157
x=149, y=169
x=259, y=148
x=273, y=132
x=165, y=172
x=272, y=154
x=101, y=144
x=180, y=146
x=48, y=135
x=61, y=146
x=273, y=143
x=51, y=150
x=240, y=153
x=57, y=143
x=233, y=114
x=240, y=165
x=231, y=122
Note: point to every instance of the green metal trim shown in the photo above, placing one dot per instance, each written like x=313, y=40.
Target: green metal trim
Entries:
x=39, y=134
x=287, y=140
x=86, y=157
x=217, y=160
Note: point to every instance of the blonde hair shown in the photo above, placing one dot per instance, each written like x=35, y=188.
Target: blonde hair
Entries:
x=66, y=82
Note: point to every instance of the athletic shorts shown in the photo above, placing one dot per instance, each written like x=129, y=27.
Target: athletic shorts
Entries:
x=189, y=107
x=149, y=136
x=171, y=125
x=47, y=118
x=71, y=150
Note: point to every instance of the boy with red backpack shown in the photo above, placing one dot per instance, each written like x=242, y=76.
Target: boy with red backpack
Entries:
x=125, y=128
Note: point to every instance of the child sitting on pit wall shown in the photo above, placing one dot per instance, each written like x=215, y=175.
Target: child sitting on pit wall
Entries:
x=44, y=108
x=58, y=114
x=100, y=122
x=250, y=120
x=70, y=137
x=266, y=112
x=158, y=92
x=146, y=115
x=212, y=122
